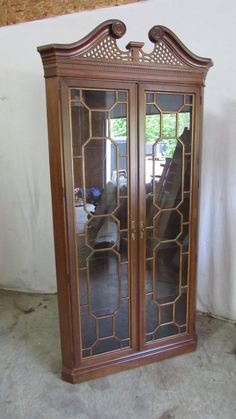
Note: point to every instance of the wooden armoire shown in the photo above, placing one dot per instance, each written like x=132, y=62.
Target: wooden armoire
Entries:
x=124, y=142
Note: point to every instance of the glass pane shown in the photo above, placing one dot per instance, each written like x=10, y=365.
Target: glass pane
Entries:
x=187, y=172
x=104, y=278
x=102, y=232
x=105, y=345
x=165, y=331
x=168, y=186
x=152, y=317
x=101, y=188
x=149, y=267
x=184, y=208
x=184, y=270
x=118, y=126
x=150, y=211
x=100, y=163
x=83, y=288
x=167, y=268
x=167, y=225
x=181, y=309
x=166, y=314
x=152, y=123
x=122, y=321
x=105, y=327
x=125, y=290
x=121, y=213
x=168, y=137
x=184, y=119
x=75, y=94
x=124, y=246
x=184, y=238
x=188, y=99
x=99, y=99
x=100, y=124
x=167, y=102
x=80, y=127
x=88, y=325
x=83, y=251
x=169, y=125
x=151, y=242
x=78, y=185
x=150, y=98
x=185, y=128
x=122, y=96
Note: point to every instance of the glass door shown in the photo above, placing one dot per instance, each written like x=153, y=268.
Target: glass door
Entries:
x=165, y=162
x=104, y=213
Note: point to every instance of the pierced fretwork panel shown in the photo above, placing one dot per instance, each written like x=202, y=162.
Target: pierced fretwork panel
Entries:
x=107, y=49
x=168, y=130
x=161, y=55
x=99, y=131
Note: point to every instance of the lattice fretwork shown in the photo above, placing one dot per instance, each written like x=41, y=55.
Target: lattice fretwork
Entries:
x=161, y=55
x=107, y=49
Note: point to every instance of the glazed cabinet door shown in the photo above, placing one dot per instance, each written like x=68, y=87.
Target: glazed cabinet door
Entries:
x=167, y=213
x=101, y=162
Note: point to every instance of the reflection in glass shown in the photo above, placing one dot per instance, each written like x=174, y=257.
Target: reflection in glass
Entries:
x=167, y=268
x=151, y=242
x=185, y=207
x=168, y=189
x=99, y=99
x=99, y=135
x=165, y=331
x=103, y=269
x=83, y=251
x=166, y=314
x=99, y=124
x=102, y=232
x=152, y=315
x=167, y=225
x=124, y=246
x=122, y=320
x=167, y=102
x=184, y=121
x=122, y=96
x=100, y=165
x=184, y=270
x=152, y=122
x=149, y=97
x=181, y=309
x=169, y=125
x=105, y=345
x=87, y=323
x=168, y=131
x=83, y=288
x=105, y=327
x=149, y=273
x=80, y=126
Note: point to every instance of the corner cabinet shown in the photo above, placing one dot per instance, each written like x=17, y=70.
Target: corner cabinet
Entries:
x=124, y=139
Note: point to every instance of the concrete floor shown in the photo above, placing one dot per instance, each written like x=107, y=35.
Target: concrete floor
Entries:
x=193, y=386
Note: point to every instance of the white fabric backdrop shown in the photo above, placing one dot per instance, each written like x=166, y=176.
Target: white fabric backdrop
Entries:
x=26, y=239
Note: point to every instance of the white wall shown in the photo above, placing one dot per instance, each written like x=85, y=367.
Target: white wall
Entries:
x=26, y=241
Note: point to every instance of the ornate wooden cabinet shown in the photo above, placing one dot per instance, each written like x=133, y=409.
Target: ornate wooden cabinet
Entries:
x=124, y=138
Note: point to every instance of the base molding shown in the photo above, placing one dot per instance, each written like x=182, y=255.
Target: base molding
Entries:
x=136, y=359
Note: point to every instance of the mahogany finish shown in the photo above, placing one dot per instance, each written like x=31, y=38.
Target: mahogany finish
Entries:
x=96, y=63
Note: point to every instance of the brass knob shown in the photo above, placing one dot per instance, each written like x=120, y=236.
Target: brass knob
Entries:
x=142, y=229
x=133, y=230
